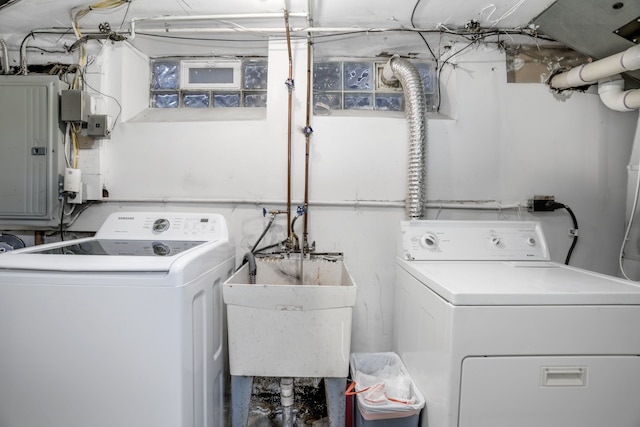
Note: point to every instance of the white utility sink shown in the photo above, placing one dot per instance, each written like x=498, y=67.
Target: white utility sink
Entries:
x=280, y=327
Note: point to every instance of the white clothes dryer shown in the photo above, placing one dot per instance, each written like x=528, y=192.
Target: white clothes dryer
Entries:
x=494, y=334
x=122, y=329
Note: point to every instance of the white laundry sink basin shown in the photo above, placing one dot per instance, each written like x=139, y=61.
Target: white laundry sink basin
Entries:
x=279, y=327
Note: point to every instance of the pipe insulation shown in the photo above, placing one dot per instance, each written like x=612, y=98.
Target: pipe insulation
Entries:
x=613, y=95
x=398, y=69
x=588, y=74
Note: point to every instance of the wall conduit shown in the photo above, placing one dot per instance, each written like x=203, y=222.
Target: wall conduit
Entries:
x=416, y=110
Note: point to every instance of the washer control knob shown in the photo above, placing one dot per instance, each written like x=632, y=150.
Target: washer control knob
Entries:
x=160, y=249
x=495, y=241
x=160, y=225
x=429, y=241
x=531, y=241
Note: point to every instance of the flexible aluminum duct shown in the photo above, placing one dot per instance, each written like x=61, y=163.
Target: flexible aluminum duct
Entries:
x=416, y=110
x=4, y=67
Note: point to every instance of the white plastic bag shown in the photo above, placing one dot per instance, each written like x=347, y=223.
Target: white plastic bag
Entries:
x=383, y=385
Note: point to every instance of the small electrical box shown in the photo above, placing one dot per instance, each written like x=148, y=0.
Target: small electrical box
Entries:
x=98, y=126
x=75, y=106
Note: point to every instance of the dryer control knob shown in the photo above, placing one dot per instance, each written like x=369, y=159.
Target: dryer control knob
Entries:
x=531, y=241
x=495, y=241
x=160, y=225
x=429, y=241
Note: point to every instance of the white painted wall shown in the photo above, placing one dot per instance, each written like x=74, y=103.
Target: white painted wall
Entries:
x=505, y=142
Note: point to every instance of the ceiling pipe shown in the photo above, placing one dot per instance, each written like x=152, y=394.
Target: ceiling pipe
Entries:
x=398, y=69
x=614, y=96
x=265, y=30
x=226, y=17
x=588, y=74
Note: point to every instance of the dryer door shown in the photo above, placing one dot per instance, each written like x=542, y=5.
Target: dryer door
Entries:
x=550, y=391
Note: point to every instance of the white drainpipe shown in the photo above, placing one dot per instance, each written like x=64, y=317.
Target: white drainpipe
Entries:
x=614, y=96
x=588, y=74
x=605, y=72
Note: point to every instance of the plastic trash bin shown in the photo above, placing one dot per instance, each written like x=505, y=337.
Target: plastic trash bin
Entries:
x=385, y=393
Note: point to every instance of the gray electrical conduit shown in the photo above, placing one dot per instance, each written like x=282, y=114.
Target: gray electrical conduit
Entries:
x=416, y=111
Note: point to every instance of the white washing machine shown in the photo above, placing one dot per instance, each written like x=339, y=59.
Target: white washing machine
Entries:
x=121, y=329
x=494, y=334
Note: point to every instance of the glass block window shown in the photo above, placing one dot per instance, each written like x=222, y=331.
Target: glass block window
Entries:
x=358, y=101
x=165, y=100
x=226, y=100
x=166, y=92
x=255, y=100
x=166, y=75
x=357, y=85
x=195, y=100
x=358, y=76
x=389, y=101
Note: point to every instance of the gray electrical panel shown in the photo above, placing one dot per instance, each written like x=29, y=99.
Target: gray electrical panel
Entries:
x=31, y=151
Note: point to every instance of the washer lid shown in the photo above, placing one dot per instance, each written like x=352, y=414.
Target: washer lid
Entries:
x=102, y=255
x=520, y=283
x=114, y=247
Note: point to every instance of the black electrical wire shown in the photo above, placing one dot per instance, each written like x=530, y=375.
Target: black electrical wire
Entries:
x=420, y=33
x=552, y=205
x=478, y=35
x=126, y=12
x=575, y=233
x=442, y=67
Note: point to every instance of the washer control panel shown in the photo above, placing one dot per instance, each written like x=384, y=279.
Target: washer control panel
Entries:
x=473, y=240
x=164, y=226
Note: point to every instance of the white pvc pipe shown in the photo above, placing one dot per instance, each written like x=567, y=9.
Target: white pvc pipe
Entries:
x=614, y=96
x=226, y=17
x=588, y=74
x=444, y=204
x=267, y=30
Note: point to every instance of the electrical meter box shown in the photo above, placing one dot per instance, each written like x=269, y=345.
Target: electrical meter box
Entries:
x=32, y=147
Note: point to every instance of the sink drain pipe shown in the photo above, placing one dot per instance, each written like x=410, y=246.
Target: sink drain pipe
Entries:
x=398, y=69
x=253, y=270
x=286, y=400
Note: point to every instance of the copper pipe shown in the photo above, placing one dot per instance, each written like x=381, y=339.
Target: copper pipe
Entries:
x=307, y=132
x=290, y=86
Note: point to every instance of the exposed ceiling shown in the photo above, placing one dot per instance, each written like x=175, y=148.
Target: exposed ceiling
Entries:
x=22, y=16
x=593, y=27
x=585, y=25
